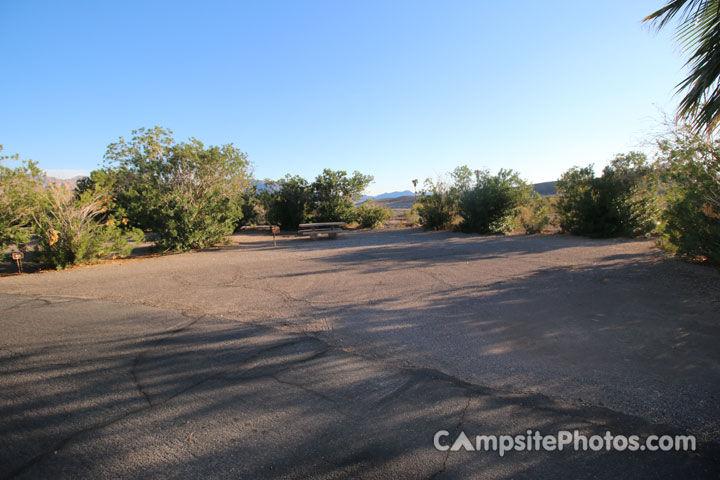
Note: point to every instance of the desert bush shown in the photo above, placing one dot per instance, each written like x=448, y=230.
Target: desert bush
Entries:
x=691, y=173
x=476, y=200
x=74, y=229
x=622, y=202
x=536, y=215
x=288, y=202
x=437, y=207
x=371, y=215
x=187, y=194
x=19, y=188
x=335, y=193
x=492, y=203
x=411, y=215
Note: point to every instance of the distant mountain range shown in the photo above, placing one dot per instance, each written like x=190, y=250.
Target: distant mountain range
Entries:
x=404, y=193
x=544, y=189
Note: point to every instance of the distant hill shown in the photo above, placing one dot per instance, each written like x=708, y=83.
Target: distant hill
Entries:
x=66, y=182
x=545, y=188
x=406, y=198
x=396, y=202
x=404, y=193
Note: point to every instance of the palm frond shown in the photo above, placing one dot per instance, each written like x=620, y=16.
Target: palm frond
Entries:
x=699, y=34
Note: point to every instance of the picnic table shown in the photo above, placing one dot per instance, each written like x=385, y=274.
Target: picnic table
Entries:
x=312, y=230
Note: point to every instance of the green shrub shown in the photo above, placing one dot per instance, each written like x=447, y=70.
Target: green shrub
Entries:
x=75, y=229
x=187, y=194
x=536, y=215
x=476, y=200
x=437, y=206
x=622, y=202
x=411, y=216
x=253, y=212
x=691, y=221
x=371, y=215
x=335, y=193
x=19, y=189
x=491, y=205
x=288, y=202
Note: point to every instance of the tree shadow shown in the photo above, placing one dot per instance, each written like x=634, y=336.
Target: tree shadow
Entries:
x=211, y=397
x=595, y=332
x=129, y=391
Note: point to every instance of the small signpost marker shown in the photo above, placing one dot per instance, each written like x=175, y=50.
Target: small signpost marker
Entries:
x=275, y=230
x=18, y=256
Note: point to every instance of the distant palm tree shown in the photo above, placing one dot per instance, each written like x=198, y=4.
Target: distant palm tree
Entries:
x=414, y=182
x=699, y=33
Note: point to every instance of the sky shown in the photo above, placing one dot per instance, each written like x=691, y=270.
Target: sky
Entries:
x=395, y=89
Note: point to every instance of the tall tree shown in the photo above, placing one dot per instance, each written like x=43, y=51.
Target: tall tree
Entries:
x=188, y=194
x=699, y=33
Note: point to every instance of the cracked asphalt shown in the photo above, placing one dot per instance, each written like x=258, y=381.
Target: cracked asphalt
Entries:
x=336, y=359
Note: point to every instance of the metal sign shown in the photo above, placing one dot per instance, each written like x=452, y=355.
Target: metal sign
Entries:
x=18, y=256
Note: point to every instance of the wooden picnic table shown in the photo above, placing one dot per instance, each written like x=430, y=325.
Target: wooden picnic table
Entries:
x=312, y=230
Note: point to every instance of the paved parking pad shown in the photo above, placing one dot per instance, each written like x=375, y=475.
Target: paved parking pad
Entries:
x=96, y=389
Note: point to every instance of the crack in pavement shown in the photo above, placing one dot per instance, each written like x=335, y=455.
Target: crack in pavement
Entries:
x=413, y=380
x=168, y=334
x=112, y=420
x=536, y=400
x=29, y=303
x=526, y=400
x=311, y=391
x=456, y=431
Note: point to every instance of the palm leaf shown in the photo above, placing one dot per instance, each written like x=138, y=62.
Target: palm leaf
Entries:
x=699, y=34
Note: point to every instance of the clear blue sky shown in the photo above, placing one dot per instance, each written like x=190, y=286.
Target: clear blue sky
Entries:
x=398, y=90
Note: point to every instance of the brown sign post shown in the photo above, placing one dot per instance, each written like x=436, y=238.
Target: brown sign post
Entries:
x=275, y=230
x=18, y=256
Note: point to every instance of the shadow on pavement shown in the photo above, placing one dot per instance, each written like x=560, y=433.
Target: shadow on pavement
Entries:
x=165, y=395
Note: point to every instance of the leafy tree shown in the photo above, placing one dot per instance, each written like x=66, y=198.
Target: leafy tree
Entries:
x=330, y=198
x=100, y=179
x=622, y=202
x=698, y=32
x=691, y=220
x=335, y=193
x=491, y=204
x=288, y=202
x=577, y=204
x=187, y=194
x=462, y=178
x=19, y=188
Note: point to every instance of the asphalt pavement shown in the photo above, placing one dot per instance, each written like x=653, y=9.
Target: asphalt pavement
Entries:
x=338, y=359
